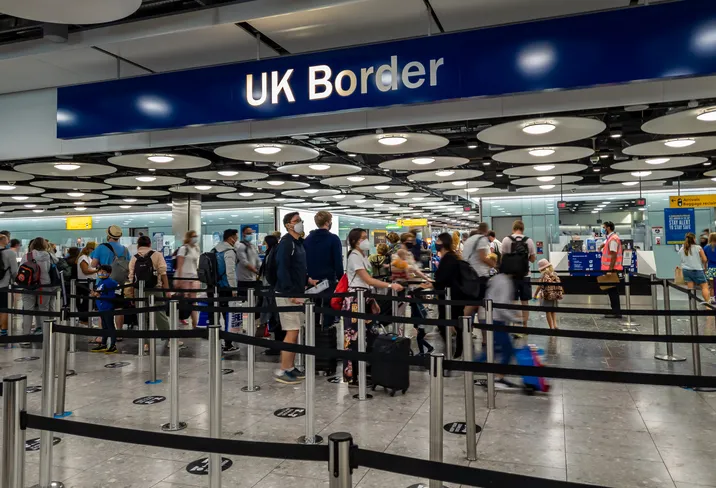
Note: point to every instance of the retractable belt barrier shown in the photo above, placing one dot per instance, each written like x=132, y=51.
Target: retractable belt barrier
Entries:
x=143, y=334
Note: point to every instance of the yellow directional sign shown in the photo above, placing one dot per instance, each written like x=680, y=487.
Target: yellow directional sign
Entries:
x=412, y=222
x=79, y=223
x=693, y=201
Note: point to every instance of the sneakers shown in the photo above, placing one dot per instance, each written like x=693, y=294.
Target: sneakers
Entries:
x=231, y=348
x=100, y=348
x=503, y=384
x=111, y=350
x=298, y=373
x=287, y=378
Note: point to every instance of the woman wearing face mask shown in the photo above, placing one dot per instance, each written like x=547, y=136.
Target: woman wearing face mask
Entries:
x=448, y=275
x=187, y=269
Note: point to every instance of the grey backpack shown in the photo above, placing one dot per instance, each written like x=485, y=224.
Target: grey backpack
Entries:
x=120, y=265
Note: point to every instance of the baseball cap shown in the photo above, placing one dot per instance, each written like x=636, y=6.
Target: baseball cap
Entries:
x=114, y=231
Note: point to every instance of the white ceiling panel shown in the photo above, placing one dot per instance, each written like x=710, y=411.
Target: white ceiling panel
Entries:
x=189, y=49
x=362, y=22
x=461, y=14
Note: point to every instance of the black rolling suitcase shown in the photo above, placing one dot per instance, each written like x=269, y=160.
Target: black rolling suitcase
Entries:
x=391, y=376
x=326, y=338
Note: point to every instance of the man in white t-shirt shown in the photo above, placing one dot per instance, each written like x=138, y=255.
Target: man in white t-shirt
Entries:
x=477, y=248
x=523, y=287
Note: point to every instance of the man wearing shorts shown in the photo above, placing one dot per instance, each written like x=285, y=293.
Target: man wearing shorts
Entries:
x=523, y=287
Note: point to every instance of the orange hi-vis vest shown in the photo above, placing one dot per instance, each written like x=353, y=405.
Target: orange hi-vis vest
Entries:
x=607, y=257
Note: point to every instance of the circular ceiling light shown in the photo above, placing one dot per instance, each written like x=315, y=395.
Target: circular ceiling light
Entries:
x=381, y=187
x=81, y=209
x=320, y=167
x=311, y=191
x=267, y=150
x=392, y=140
x=355, y=179
x=30, y=205
x=246, y=194
x=656, y=161
x=444, y=173
x=595, y=211
x=543, y=167
x=7, y=187
x=707, y=116
x=678, y=143
x=228, y=174
x=19, y=197
x=418, y=199
x=75, y=194
x=423, y=161
x=339, y=197
x=129, y=200
x=67, y=166
x=459, y=183
x=203, y=187
x=38, y=210
x=538, y=129
x=78, y=203
x=401, y=194
x=275, y=182
x=471, y=190
x=546, y=187
x=125, y=206
x=541, y=153
x=630, y=183
x=545, y=178
x=641, y=174
x=145, y=179
x=160, y=158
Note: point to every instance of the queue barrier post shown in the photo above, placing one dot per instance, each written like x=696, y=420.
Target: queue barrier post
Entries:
x=694, y=323
x=61, y=367
x=11, y=315
x=362, y=370
x=73, y=320
x=152, y=347
x=48, y=387
x=654, y=303
x=340, y=471
x=300, y=359
x=448, y=330
x=13, y=446
x=217, y=315
x=471, y=429
x=310, y=436
x=251, y=355
x=436, y=411
x=141, y=319
x=669, y=356
x=174, y=423
x=490, y=355
x=215, y=402
x=628, y=325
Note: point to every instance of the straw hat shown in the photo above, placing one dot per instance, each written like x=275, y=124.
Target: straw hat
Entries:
x=543, y=264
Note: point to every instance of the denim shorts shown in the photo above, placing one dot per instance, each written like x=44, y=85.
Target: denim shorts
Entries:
x=696, y=276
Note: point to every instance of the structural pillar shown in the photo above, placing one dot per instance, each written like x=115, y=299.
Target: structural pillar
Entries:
x=186, y=216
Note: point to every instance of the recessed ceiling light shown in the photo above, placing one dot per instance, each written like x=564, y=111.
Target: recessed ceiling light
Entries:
x=641, y=174
x=319, y=167
x=423, y=160
x=707, y=163
x=248, y=162
x=30, y=205
x=392, y=140
x=604, y=156
x=125, y=206
x=275, y=182
x=38, y=210
x=630, y=183
x=7, y=187
x=355, y=179
x=486, y=163
x=268, y=149
x=81, y=209
x=362, y=200
x=203, y=187
x=381, y=187
x=418, y=199
x=596, y=169
x=538, y=129
x=615, y=134
x=446, y=172
x=546, y=187
x=472, y=146
x=500, y=175
x=75, y=194
x=708, y=115
x=145, y=179
x=228, y=173
x=152, y=169
x=279, y=199
x=19, y=197
x=311, y=191
x=67, y=166
x=402, y=194
x=129, y=200
x=246, y=194
x=160, y=158
x=471, y=190
x=595, y=211
x=680, y=143
x=541, y=153
x=339, y=197
x=543, y=167
x=459, y=183
x=545, y=178
x=352, y=155
x=606, y=203
x=656, y=161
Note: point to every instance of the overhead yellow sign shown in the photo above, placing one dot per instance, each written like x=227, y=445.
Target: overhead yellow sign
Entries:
x=693, y=201
x=79, y=223
x=412, y=222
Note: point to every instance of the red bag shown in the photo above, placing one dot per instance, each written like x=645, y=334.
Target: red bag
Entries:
x=341, y=287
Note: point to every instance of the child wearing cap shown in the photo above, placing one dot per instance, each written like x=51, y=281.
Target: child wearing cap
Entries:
x=105, y=291
x=551, y=294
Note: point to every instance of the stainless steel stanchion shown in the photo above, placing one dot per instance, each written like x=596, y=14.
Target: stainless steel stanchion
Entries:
x=436, y=411
x=628, y=325
x=251, y=356
x=654, y=303
x=73, y=320
x=217, y=315
x=669, y=356
x=215, y=403
x=152, y=346
x=174, y=424
x=394, y=311
x=48, y=387
x=340, y=472
x=13, y=446
x=341, y=334
x=310, y=436
x=694, y=322
x=141, y=318
x=471, y=428
x=300, y=360
x=10, y=315
x=362, y=371
x=61, y=367
x=448, y=332
x=490, y=355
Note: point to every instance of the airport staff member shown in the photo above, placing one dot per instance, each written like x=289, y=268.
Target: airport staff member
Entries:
x=612, y=256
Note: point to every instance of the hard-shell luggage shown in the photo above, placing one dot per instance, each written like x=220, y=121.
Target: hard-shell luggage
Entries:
x=391, y=376
x=530, y=355
x=326, y=337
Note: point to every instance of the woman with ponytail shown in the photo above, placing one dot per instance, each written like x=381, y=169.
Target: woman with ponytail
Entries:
x=693, y=262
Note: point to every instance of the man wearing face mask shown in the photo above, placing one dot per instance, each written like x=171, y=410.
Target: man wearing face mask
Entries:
x=324, y=258
x=248, y=257
x=226, y=260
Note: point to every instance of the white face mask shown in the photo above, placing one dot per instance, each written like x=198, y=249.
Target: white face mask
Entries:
x=298, y=228
x=194, y=240
x=364, y=245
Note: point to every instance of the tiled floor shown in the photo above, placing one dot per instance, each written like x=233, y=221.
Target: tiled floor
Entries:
x=599, y=433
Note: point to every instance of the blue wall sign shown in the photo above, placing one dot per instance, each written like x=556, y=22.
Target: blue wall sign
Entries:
x=665, y=40
x=590, y=263
x=679, y=222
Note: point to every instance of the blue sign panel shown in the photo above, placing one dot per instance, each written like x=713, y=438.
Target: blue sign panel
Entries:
x=679, y=222
x=665, y=40
x=590, y=263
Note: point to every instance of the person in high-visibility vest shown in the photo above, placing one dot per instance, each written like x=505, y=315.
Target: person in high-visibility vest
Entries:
x=612, y=256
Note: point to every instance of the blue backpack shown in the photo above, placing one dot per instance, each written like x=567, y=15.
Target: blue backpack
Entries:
x=212, y=268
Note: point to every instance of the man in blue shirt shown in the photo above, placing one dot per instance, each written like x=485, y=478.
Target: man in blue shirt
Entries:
x=324, y=260
x=104, y=255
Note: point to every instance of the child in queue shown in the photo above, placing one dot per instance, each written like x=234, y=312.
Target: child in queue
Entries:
x=106, y=292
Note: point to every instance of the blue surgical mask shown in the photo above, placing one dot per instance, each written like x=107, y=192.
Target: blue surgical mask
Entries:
x=249, y=238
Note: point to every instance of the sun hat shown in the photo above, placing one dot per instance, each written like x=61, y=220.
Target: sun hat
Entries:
x=114, y=231
x=543, y=264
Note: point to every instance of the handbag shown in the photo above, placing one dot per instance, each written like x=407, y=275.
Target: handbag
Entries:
x=678, y=276
x=341, y=287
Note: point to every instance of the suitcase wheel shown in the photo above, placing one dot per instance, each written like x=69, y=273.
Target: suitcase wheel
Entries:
x=373, y=388
x=405, y=391
x=392, y=393
x=529, y=390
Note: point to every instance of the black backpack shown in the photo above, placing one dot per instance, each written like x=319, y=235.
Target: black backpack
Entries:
x=28, y=274
x=144, y=270
x=271, y=263
x=208, y=268
x=517, y=261
x=469, y=281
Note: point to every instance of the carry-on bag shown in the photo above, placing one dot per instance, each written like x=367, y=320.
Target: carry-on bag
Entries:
x=391, y=375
